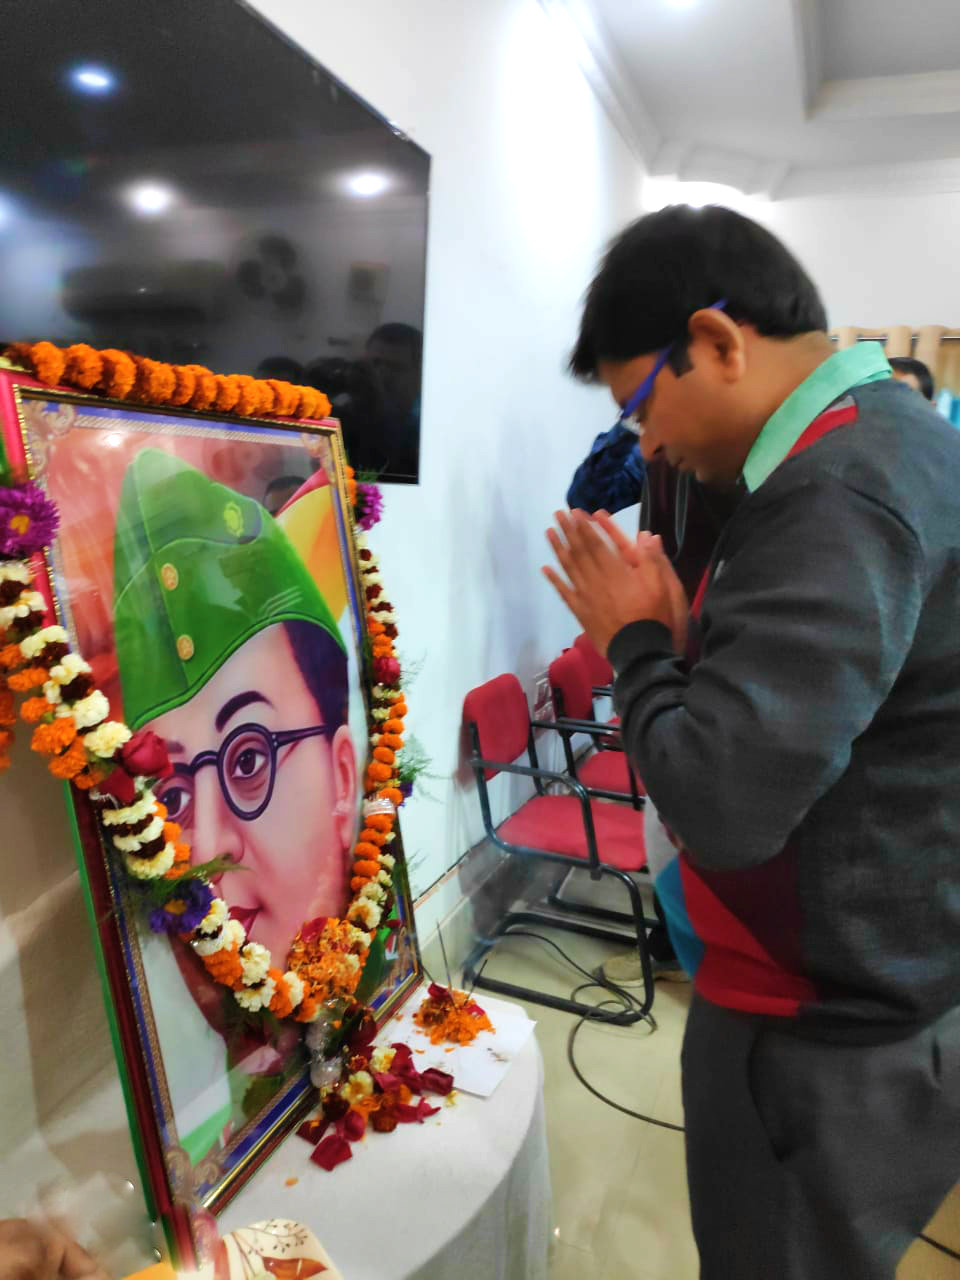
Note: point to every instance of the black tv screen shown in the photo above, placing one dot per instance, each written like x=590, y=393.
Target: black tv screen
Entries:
x=179, y=180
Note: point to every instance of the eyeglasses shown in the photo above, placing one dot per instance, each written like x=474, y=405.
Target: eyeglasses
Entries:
x=632, y=414
x=246, y=767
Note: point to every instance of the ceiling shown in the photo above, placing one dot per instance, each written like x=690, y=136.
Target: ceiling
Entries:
x=780, y=97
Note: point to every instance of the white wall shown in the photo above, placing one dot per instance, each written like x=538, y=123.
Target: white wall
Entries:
x=529, y=180
x=878, y=260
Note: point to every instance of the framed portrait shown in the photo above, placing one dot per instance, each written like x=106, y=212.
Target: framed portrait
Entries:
x=205, y=568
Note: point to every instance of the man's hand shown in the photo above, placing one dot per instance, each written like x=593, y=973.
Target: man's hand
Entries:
x=612, y=581
x=30, y=1251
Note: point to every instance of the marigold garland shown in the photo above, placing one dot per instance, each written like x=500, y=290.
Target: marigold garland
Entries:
x=120, y=376
x=117, y=768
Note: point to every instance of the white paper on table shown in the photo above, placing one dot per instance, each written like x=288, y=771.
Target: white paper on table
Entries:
x=478, y=1067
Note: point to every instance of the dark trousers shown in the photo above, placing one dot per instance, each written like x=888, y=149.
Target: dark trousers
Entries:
x=808, y=1160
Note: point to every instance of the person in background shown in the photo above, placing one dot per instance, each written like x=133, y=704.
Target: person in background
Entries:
x=688, y=517
x=799, y=736
x=914, y=373
x=611, y=476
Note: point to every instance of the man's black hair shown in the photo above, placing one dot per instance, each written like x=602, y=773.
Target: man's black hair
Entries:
x=907, y=364
x=669, y=264
x=400, y=335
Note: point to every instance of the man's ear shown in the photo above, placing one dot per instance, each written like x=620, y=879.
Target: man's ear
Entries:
x=345, y=787
x=718, y=340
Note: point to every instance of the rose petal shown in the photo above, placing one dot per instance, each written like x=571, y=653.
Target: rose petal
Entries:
x=387, y=1081
x=311, y=931
x=407, y=1114
x=331, y=1152
x=363, y=1034
x=433, y=1080
x=352, y=1127
x=313, y=1130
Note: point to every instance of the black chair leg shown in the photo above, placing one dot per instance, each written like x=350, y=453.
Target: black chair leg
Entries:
x=595, y=913
x=473, y=970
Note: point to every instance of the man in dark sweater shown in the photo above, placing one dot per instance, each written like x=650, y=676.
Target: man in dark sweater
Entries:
x=799, y=738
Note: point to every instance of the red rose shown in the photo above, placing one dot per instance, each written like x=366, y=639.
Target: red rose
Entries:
x=120, y=786
x=145, y=756
x=386, y=670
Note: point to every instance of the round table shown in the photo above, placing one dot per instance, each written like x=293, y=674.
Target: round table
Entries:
x=465, y=1195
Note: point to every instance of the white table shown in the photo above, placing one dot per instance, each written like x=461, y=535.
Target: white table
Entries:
x=465, y=1196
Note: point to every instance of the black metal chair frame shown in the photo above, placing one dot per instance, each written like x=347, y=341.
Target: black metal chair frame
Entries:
x=473, y=966
x=606, y=737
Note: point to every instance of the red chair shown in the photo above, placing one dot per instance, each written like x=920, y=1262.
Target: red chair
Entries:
x=568, y=830
x=601, y=672
x=608, y=773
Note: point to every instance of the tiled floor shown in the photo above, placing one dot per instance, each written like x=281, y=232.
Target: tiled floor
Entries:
x=619, y=1185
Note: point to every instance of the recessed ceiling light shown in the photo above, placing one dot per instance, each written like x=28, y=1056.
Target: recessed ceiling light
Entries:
x=149, y=198
x=367, y=184
x=89, y=79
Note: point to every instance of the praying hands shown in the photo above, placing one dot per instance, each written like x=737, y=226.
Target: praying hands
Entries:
x=612, y=581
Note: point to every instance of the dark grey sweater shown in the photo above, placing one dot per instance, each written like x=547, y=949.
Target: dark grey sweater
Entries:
x=808, y=762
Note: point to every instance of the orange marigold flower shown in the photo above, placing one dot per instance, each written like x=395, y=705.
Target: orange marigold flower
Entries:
x=47, y=362
x=84, y=366
x=249, y=397
x=71, y=762
x=155, y=381
x=91, y=777
x=48, y=739
x=391, y=793
x=8, y=712
x=160, y=810
x=366, y=868
x=375, y=628
x=392, y=740
x=323, y=406
x=384, y=755
x=286, y=398
x=357, y=883
x=28, y=678
x=119, y=374
x=364, y=850
x=266, y=396
x=34, y=709
x=171, y=832
x=228, y=392
x=225, y=967
x=369, y=836
x=6, y=737
x=282, y=1003
x=185, y=383
x=10, y=657
x=398, y=710
x=308, y=1009
x=380, y=822
x=393, y=726
x=379, y=772
x=307, y=399
x=204, y=389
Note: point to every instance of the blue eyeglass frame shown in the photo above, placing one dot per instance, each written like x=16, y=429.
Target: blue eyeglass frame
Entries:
x=642, y=393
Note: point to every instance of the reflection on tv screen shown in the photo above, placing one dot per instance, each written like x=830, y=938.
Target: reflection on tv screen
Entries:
x=179, y=180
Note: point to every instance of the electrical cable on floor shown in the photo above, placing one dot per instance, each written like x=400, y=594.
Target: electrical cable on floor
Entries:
x=622, y=1001
x=951, y=1253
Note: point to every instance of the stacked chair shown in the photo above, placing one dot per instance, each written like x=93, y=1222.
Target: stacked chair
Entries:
x=567, y=824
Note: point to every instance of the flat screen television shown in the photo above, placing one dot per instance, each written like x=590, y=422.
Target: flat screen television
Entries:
x=180, y=180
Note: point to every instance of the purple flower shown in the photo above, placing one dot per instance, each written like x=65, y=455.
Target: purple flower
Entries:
x=28, y=520
x=406, y=789
x=182, y=914
x=369, y=505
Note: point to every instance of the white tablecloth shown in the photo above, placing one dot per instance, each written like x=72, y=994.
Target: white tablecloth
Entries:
x=466, y=1196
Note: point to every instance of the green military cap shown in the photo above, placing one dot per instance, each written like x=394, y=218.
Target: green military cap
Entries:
x=198, y=570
